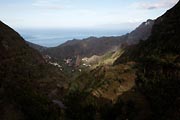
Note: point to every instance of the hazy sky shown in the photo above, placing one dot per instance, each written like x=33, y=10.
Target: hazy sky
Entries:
x=108, y=14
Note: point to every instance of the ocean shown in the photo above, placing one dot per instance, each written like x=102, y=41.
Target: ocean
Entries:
x=55, y=37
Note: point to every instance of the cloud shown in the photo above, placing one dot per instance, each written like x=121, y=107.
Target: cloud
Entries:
x=156, y=5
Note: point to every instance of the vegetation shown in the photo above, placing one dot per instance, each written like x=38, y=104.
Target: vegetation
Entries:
x=158, y=70
x=143, y=83
x=21, y=71
x=159, y=81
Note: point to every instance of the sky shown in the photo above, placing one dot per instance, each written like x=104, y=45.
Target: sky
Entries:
x=86, y=14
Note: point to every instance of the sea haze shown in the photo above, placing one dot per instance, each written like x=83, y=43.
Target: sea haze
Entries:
x=55, y=37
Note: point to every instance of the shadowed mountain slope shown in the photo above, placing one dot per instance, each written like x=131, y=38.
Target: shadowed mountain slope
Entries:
x=158, y=75
x=25, y=80
x=164, y=39
x=37, y=47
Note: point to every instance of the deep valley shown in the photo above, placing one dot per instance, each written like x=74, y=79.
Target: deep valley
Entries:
x=135, y=76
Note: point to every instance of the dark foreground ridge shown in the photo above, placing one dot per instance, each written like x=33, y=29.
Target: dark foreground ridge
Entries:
x=158, y=75
x=24, y=80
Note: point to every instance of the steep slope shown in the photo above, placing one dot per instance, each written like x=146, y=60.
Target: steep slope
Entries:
x=107, y=92
x=143, y=84
x=164, y=38
x=158, y=75
x=98, y=46
x=37, y=47
x=25, y=80
x=106, y=59
x=140, y=33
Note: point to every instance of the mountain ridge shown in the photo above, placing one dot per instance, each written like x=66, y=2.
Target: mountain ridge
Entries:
x=98, y=46
x=159, y=65
x=165, y=41
x=143, y=83
x=26, y=80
